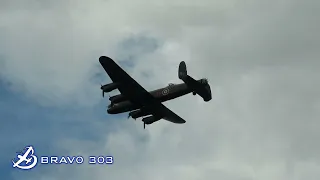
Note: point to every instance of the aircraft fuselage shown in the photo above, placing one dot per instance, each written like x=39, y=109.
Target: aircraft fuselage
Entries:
x=164, y=94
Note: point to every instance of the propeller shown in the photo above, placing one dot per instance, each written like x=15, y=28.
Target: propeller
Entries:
x=132, y=118
x=102, y=91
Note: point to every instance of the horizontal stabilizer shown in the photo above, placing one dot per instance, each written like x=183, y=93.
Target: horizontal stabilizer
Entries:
x=200, y=87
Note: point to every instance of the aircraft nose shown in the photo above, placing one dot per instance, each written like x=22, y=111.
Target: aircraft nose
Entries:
x=111, y=110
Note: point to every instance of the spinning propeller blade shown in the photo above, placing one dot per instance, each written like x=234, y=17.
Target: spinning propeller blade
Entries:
x=102, y=91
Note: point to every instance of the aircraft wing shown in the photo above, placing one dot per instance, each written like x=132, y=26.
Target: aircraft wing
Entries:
x=136, y=93
x=171, y=116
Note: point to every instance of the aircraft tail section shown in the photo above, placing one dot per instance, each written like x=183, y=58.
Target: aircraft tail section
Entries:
x=200, y=87
x=182, y=73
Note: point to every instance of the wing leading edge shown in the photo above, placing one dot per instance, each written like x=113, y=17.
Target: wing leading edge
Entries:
x=136, y=93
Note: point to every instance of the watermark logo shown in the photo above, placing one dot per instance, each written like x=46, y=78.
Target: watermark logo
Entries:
x=26, y=160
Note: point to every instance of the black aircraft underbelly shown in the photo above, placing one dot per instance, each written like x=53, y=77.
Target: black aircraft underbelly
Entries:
x=122, y=107
x=163, y=94
x=134, y=97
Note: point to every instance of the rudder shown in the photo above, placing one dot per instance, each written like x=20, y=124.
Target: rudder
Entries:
x=182, y=73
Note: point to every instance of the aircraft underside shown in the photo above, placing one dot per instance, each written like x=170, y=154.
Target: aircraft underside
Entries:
x=163, y=94
x=139, y=102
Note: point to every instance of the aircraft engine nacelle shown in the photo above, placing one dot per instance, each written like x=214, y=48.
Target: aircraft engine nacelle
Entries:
x=150, y=119
x=117, y=98
x=138, y=113
x=109, y=87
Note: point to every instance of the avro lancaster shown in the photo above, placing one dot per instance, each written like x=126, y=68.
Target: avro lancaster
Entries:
x=133, y=98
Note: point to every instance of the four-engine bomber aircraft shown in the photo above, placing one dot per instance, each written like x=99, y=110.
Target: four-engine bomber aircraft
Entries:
x=141, y=103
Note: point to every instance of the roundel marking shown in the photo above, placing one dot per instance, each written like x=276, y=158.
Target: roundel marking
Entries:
x=165, y=91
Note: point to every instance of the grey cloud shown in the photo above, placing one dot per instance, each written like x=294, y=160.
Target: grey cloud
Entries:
x=261, y=59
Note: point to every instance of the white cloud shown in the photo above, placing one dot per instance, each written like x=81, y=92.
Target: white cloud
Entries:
x=261, y=59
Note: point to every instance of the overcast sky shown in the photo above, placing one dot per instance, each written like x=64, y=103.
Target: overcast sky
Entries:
x=261, y=59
